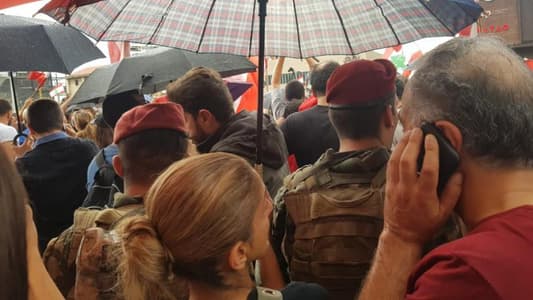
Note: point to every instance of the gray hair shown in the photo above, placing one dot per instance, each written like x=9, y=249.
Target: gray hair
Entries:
x=485, y=89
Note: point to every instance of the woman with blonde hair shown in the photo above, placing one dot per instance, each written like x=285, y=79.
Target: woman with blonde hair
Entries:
x=207, y=218
x=82, y=121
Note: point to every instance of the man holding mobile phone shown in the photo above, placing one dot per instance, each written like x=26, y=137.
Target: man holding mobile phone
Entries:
x=484, y=108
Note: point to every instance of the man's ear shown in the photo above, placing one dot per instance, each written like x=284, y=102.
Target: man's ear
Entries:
x=117, y=165
x=205, y=117
x=452, y=133
x=238, y=256
x=390, y=116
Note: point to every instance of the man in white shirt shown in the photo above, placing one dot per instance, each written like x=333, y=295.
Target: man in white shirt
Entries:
x=7, y=133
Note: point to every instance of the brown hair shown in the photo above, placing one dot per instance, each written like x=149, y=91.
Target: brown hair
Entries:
x=198, y=209
x=44, y=115
x=104, y=133
x=13, y=264
x=81, y=119
x=202, y=88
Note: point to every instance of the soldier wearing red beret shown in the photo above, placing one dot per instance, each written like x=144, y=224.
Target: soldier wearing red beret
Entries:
x=149, y=138
x=328, y=216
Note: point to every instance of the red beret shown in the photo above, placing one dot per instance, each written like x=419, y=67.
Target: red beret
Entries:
x=361, y=83
x=167, y=115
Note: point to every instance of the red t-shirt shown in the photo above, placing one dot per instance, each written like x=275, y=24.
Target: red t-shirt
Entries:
x=494, y=261
x=308, y=103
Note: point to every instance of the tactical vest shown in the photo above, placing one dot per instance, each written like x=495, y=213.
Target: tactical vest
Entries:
x=335, y=217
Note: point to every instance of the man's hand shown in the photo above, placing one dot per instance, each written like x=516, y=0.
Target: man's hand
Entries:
x=413, y=211
x=22, y=149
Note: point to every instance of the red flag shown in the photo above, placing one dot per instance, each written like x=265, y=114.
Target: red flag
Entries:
x=249, y=99
x=415, y=56
x=118, y=50
x=39, y=77
x=529, y=63
x=114, y=52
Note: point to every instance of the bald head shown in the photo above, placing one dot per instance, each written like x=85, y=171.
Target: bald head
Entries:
x=483, y=88
x=320, y=75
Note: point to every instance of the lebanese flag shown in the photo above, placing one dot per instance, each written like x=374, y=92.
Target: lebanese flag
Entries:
x=39, y=77
x=389, y=51
x=58, y=90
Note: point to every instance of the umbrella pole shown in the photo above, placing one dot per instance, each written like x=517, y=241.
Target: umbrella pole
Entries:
x=15, y=102
x=259, y=141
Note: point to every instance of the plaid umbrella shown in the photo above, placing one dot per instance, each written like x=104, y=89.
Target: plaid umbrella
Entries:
x=292, y=28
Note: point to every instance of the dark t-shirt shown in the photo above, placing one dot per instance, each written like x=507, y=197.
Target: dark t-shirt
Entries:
x=309, y=134
x=494, y=261
x=299, y=291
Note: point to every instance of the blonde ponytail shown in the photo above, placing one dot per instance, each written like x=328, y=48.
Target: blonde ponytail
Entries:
x=145, y=269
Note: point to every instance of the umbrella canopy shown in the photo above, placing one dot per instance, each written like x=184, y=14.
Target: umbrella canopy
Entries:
x=293, y=28
x=62, y=9
x=153, y=71
x=31, y=44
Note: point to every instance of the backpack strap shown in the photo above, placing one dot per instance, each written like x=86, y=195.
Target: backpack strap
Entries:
x=83, y=218
x=268, y=294
x=105, y=175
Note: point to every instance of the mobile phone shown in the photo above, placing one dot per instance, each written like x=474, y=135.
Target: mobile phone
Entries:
x=448, y=157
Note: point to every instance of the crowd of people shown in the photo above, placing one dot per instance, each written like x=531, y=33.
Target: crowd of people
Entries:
x=137, y=200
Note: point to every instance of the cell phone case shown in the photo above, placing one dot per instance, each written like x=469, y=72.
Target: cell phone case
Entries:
x=448, y=157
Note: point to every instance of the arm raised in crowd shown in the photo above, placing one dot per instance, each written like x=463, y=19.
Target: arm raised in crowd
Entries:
x=413, y=213
x=278, y=96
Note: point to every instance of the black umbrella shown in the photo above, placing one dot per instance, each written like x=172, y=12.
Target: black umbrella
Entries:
x=153, y=71
x=35, y=45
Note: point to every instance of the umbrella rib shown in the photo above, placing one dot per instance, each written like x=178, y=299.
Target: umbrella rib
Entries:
x=388, y=22
x=161, y=21
x=342, y=25
x=252, y=31
x=297, y=28
x=205, y=25
x=112, y=21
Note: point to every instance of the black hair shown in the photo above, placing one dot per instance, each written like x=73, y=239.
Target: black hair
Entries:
x=148, y=153
x=320, y=76
x=294, y=90
x=5, y=107
x=45, y=115
x=359, y=123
